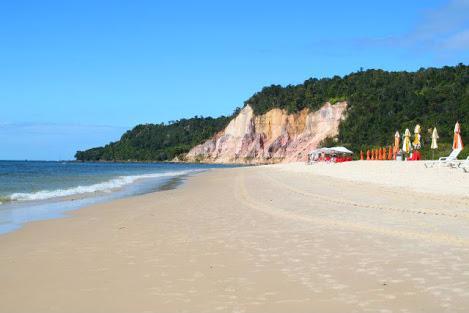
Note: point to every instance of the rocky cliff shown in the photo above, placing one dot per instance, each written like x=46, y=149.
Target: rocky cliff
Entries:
x=275, y=136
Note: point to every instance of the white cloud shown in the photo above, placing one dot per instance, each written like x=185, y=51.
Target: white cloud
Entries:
x=442, y=31
x=458, y=41
x=444, y=28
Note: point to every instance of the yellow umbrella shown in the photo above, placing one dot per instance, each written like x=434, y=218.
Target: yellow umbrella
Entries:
x=416, y=143
x=457, y=142
x=406, y=141
x=396, y=141
x=434, y=139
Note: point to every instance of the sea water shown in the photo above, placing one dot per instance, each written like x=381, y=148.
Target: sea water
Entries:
x=37, y=190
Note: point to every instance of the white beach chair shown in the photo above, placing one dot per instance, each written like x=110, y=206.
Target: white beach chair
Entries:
x=459, y=163
x=464, y=165
x=445, y=161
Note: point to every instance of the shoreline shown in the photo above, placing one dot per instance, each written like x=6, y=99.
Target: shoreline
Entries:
x=17, y=213
x=272, y=238
x=70, y=204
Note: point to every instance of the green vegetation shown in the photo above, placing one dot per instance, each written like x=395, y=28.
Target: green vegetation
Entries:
x=157, y=142
x=382, y=102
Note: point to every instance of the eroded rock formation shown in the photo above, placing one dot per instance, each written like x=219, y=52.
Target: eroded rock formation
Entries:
x=275, y=136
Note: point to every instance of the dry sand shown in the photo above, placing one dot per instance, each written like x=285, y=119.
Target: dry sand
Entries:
x=282, y=238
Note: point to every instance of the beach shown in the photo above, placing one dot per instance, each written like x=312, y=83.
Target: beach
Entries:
x=361, y=236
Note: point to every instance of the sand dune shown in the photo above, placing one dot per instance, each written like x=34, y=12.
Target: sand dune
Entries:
x=284, y=238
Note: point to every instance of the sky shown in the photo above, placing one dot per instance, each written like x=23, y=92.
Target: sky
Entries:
x=77, y=74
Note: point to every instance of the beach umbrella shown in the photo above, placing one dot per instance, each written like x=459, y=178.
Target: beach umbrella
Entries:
x=361, y=155
x=416, y=143
x=434, y=145
x=368, y=154
x=390, y=153
x=434, y=139
x=397, y=138
x=385, y=157
x=406, y=141
x=457, y=142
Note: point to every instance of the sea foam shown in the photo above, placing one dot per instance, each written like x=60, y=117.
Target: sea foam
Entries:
x=107, y=186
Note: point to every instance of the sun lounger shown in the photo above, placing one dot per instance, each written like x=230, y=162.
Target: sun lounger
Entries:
x=465, y=162
x=459, y=163
x=445, y=161
x=464, y=165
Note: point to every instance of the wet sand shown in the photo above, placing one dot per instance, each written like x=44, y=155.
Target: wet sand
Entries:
x=281, y=238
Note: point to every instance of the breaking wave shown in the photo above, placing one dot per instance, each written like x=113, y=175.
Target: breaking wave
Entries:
x=107, y=186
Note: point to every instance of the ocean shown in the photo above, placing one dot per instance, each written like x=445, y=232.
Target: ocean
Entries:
x=38, y=190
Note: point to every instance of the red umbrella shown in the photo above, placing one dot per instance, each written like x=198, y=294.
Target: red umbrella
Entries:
x=457, y=141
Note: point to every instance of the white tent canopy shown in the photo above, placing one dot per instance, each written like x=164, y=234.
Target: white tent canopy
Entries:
x=331, y=150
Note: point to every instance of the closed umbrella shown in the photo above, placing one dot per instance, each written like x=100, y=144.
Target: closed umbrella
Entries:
x=416, y=143
x=396, y=142
x=434, y=139
x=406, y=141
x=457, y=142
x=434, y=144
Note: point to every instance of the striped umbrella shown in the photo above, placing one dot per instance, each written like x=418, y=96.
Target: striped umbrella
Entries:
x=457, y=141
x=406, y=141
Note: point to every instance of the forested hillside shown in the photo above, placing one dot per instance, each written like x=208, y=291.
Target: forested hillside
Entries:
x=381, y=102
x=157, y=142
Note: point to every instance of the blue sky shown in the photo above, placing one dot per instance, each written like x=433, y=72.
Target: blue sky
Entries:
x=76, y=74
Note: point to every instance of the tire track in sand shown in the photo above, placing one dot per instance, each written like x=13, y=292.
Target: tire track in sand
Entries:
x=427, y=211
x=242, y=195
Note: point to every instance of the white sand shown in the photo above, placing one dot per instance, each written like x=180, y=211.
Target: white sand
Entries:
x=258, y=239
x=408, y=175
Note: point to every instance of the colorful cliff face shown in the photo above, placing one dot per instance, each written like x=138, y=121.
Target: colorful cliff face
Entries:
x=275, y=136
